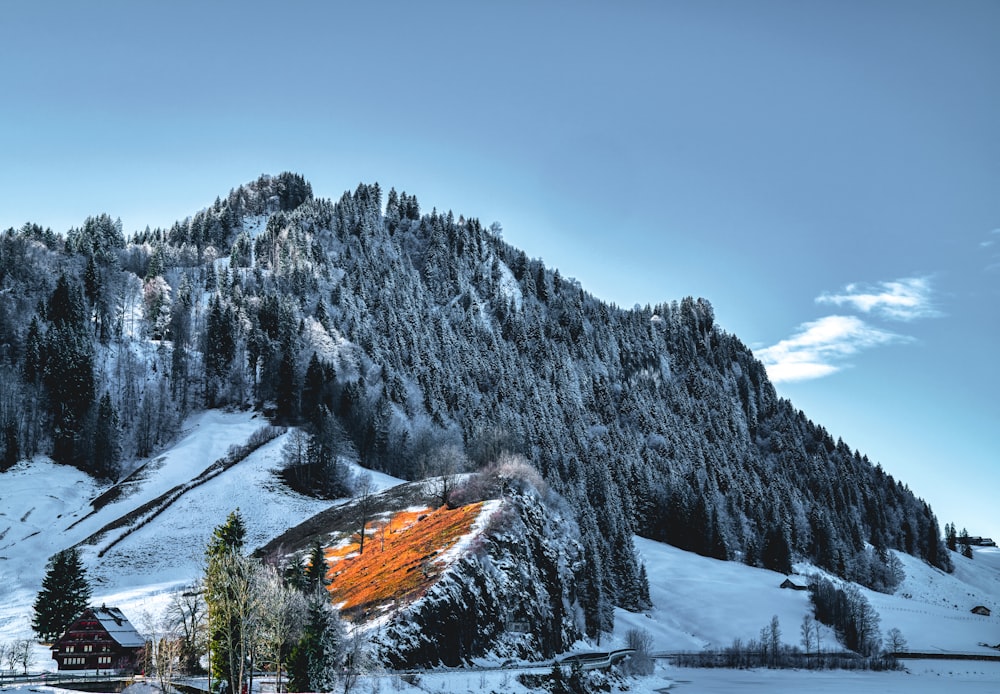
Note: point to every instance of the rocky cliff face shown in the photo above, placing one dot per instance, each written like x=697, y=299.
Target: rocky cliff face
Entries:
x=513, y=594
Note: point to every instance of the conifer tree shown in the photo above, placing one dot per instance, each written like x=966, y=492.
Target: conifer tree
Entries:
x=68, y=376
x=312, y=389
x=316, y=578
x=288, y=386
x=223, y=597
x=107, y=443
x=316, y=659
x=64, y=595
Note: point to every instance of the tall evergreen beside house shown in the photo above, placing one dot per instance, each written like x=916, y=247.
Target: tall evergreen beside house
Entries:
x=64, y=595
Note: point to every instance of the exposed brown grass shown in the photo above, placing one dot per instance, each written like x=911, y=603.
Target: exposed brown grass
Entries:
x=398, y=565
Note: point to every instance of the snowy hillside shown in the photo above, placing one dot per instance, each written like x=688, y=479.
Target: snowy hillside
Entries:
x=701, y=602
x=698, y=602
x=45, y=508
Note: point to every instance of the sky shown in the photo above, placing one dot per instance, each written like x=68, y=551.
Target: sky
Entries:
x=827, y=174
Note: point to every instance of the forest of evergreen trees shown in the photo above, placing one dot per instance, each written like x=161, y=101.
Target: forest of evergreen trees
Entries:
x=395, y=335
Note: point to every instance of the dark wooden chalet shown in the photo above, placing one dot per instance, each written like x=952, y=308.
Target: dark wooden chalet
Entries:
x=99, y=639
x=795, y=583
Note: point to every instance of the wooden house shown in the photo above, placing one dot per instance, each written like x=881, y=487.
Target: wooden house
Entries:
x=101, y=638
x=982, y=610
x=795, y=583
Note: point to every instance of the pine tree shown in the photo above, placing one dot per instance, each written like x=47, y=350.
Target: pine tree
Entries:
x=68, y=355
x=316, y=573
x=288, y=385
x=222, y=597
x=316, y=659
x=10, y=446
x=64, y=595
x=228, y=537
x=312, y=390
x=107, y=443
x=33, y=352
x=776, y=554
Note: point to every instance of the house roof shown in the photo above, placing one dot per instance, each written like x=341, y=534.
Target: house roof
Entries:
x=118, y=627
x=796, y=581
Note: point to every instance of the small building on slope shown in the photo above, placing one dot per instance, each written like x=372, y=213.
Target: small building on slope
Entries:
x=795, y=583
x=101, y=638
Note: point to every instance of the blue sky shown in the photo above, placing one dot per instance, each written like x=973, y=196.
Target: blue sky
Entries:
x=827, y=174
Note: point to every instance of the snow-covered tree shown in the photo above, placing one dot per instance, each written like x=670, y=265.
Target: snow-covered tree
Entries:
x=316, y=661
x=280, y=620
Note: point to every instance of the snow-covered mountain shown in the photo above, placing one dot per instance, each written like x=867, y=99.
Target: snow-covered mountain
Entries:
x=416, y=345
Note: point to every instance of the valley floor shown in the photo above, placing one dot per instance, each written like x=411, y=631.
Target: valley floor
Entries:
x=920, y=677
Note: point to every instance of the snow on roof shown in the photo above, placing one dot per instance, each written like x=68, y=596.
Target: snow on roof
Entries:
x=796, y=580
x=118, y=627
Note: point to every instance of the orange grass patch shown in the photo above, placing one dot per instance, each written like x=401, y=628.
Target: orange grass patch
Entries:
x=399, y=560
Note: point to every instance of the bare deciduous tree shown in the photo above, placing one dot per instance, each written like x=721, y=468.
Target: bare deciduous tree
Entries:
x=364, y=492
x=641, y=641
x=186, y=615
x=807, y=632
x=445, y=464
x=281, y=617
x=21, y=653
x=5, y=656
x=358, y=659
x=894, y=641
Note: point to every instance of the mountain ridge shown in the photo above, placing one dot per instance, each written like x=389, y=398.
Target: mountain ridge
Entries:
x=396, y=338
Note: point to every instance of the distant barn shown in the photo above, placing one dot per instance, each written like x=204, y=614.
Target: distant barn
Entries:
x=795, y=583
x=101, y=638
x=981, y=609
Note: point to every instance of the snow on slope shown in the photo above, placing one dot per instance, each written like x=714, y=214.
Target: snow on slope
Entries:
x=698, y=602
x=46, y=507
x=933, y=609
x=701, y=602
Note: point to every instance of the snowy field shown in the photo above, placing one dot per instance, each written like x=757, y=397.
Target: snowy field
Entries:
x=698, y=602
x=922, y=677
x=46, y=508
x=701, y=602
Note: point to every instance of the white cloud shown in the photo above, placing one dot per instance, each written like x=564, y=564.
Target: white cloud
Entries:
x=904, y=299
x=993, y=240
x=820, y=347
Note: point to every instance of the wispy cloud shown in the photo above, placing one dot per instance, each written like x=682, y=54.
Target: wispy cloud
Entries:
x=904, y=299
x=992, y=242
x=820, y=348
